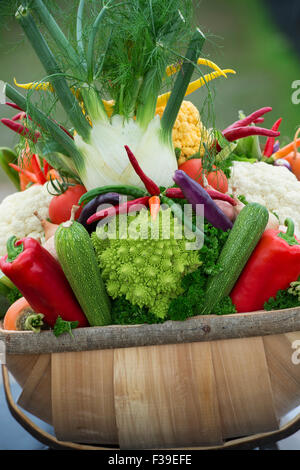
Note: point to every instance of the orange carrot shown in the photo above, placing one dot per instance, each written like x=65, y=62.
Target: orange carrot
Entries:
x=154, y=206
x=20, y=316
x=287, y=149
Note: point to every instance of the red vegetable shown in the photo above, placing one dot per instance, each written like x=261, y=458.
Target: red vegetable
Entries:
x=130, y=206
x=151, y=187
x=20, y=129
x=273, y=265
x=176, y=193
x=269, y=147
x=216, y=178
x=41, y=280
x=60, y=206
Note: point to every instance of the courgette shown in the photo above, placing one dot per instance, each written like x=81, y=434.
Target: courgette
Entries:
x=77, y=258
x=243, y=238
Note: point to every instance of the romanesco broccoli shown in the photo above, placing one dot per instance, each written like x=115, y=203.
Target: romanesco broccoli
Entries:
x=147, y=271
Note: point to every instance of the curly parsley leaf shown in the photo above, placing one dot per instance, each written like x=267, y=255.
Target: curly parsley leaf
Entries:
x=62, y=326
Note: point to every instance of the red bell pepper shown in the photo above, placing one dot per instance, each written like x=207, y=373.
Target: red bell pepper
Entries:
x=41, y=280
x=273, y=265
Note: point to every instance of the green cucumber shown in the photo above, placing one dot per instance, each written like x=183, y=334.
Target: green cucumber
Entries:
x=243, y=238
x=78, y=260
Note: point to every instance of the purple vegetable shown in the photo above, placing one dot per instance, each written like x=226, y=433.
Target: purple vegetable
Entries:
x=282, y=162
x=276, y=146
x=91, y=207
x=195, y=194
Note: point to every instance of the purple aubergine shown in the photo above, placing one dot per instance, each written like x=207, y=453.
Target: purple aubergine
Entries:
x=195, y=194
x=282, y=162
x=91, y=207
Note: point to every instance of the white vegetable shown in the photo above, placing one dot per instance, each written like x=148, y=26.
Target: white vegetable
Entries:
x=17, y=214
x=274, y=187
x=107, y=163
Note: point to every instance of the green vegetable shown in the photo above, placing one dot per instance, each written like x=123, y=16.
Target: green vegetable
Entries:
x=125, y=313
x=284, y=299
x=243, y=237
x=62, y=326
x=78, y=261
x=146, y=271
x=8, y=156
x=191, y=301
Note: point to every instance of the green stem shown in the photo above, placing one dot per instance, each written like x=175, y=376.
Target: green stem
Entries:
x=182, y=81
x=33, y=322
x=58, y=80
x=56, y=33
x=289, y=236
x=47, y=124
x=91, y=43
x=13, y=251
x=93, y=103
x=147, y=98
x=79, y=34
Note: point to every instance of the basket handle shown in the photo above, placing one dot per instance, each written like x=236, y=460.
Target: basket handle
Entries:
x=45, y=438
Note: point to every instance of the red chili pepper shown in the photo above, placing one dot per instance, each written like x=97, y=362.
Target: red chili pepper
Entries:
x=176, y=193
x=19, y=116
x=13, y=105
x=20, y=129
x=252, y=118
x=124, y=208
x=151, y=187
x=31, y=176
x=273, y=265
x=41, y=280
x=154, y=206
x=269, y=147
x=38, y=170
x=241, y=132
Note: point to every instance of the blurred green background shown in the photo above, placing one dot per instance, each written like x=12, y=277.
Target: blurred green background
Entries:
x=241, y=35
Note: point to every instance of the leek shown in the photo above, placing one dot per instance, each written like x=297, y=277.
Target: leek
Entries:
x=120, y=54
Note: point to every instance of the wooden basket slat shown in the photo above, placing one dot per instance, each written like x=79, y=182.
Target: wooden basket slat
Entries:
x=36, y=393
x=284, y=375
x=165, y=396
x=245, y=407
x=83, y=398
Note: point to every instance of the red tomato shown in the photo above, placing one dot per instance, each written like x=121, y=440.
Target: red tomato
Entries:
x=216, y=179
x=61, y=206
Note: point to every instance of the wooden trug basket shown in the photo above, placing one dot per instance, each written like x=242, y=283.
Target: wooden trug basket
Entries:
x=208, y=382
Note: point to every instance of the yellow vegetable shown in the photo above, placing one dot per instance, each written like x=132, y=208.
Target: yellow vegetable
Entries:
x=189, y=133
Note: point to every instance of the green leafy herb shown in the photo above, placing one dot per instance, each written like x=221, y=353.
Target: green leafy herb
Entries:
x=62, y=326
x=125, y=313
x=284, y=299
x=194, y=284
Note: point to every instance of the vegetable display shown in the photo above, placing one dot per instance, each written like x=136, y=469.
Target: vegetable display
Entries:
x=137, y=209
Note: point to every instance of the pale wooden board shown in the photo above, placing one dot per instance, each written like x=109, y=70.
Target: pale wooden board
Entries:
x=165, y=396
x=243, y=387
x=36, y=394
x=83, y=398
x=284, y=375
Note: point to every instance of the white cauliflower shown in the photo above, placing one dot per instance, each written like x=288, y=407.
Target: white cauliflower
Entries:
x=272, y=186
x=17, y=214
